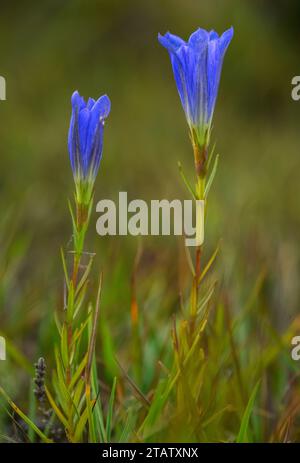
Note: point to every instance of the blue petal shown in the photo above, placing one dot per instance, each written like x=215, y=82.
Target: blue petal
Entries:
x=98, y=113
x=200, y=87
x=170, y=42
x=213, y=35
x=77, y=101
x=225, y=40
x=181, y=67
x=90, y=103
x=198, y=38
x=96, y=152
x=104, y=106
x=77, y=104
x=194, y=68
x=71, y=141
x=216, y=52
x=83, y=125
x=213, y=74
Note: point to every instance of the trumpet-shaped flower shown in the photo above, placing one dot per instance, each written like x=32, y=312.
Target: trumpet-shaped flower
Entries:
x=85, y=140
x=197, y=66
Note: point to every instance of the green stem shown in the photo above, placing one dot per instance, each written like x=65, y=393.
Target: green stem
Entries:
x=200, y=156
x=79, y=232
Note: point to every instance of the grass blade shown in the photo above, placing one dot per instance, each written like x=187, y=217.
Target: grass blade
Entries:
x=243, y=432
x=110, y=410
x=25, y=417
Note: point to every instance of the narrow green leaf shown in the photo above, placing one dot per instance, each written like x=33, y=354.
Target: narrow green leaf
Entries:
x=128, y=427
x=92, y=427
x=84, y=277
x=186, y=182
x=78, y=372
x=206, y=298
x=243, y=432
x=78, y=394
x=97, y=411
x=209, y=263
x=64, y=346
x=71, y=301
x=57, y=322
x=56, y=409
x=25, y=417
x=72, y=216
x=93, y=332
x=211, y=176
x=210, y=157
x=110, y=409
x=64, y=266
x=80, y=426
x=189, y=260
x=78, y=332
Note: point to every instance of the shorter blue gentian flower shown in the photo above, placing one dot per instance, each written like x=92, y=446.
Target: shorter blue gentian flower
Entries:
x=85, y=140
x=197, y=66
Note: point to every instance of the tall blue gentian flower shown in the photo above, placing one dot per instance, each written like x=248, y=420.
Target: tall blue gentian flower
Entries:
x=197, y=66
x=85, y=139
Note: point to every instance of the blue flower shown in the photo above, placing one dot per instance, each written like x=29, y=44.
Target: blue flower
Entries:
x=85, y=140
x=197, y=66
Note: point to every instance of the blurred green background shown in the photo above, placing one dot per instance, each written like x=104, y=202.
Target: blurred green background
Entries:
x=48, y=49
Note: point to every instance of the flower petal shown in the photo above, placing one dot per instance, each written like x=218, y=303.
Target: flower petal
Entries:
x=182, y=65
x=83, y=126
x=213, y=35
x=90, y=103
x=104, y=105
x=171, y=42
x=77, y=101
x=216, y=52
x=198, y=39
x=225, y=40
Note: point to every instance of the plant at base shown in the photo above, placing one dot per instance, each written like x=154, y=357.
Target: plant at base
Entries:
x=75, y=379
x=197, y=66
x=76, y=399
